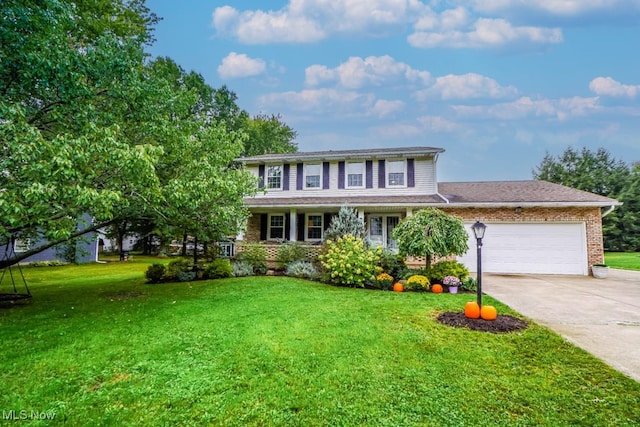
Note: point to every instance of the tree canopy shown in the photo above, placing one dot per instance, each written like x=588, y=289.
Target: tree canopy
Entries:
x=90, y=125
x=431, y=232
x=598, y=172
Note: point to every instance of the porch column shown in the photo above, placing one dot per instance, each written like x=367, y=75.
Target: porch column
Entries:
x=361, y=214
x=409, y=211
x=293, y=225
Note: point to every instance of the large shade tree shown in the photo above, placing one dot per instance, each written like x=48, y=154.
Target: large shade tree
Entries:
x=430, y=233
x=600, y=173
x=88, y=126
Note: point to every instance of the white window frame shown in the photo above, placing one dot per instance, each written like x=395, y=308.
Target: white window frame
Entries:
x=310, y=171
x=350, y=171
x=269, y=177
x=390, y=170
x=271, y=227
x=307, y=227
x=21, y=245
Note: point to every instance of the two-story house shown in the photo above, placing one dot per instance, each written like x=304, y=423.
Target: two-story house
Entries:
x=533, y=226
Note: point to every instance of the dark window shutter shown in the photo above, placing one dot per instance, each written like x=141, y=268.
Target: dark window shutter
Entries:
x=261, y=176
x=301, y=227
x=382, y=179
x=411, y=173
x=325, y=175
x=369, y=173
x=285, y=176
x=341, y=175
x=327, y=221
x=287, y=229
x=264, y=218
x=299, y=176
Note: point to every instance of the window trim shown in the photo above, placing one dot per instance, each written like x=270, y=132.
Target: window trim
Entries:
x=22, y=245
x=269, y=227
x=362, y=174
x=306, y=227
x=388, y=173
x=268, y=175
x=306, y=174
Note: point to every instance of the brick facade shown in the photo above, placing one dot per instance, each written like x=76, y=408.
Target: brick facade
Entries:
x=590, y=216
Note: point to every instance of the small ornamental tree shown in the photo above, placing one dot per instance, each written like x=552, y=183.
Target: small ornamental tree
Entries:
x=431, y=232
x=346, y=222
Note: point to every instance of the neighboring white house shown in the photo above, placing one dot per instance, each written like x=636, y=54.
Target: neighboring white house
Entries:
x=533, y=226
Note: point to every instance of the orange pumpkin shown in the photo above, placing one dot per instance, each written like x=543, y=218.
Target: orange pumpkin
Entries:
x=488, y=312
x=436, y=289
x=398, y=287
x=472, y=310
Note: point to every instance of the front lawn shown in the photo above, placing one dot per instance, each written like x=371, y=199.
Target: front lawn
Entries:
x=97, y=346
x=623, y=260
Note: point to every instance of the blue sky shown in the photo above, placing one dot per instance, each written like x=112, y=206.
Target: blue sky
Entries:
x=496, y=83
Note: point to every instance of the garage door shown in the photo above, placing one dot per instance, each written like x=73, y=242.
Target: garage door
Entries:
x=530, y=248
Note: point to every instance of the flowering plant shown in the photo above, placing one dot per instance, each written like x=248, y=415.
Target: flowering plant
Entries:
x=418, y=282
x=451, y=281
x=383, y=276
x=346, y=261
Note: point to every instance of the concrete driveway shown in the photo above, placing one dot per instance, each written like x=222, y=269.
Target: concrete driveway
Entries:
x=602, y=316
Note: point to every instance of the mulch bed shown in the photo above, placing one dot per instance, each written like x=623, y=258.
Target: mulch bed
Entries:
x=503, y=324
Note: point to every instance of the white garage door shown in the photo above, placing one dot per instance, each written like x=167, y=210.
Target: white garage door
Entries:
x=530, y=248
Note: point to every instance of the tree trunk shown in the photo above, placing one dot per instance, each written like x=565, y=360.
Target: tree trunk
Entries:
x=184, y=244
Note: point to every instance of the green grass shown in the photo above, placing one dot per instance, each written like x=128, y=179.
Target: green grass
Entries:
x=97, y=346
x=623, y=260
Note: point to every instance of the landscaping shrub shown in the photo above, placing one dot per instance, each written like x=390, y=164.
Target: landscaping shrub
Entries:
x=440, y=269
x=290, y=252
x=155, y=273
x=383, y=281
x=392, y=263
x=345, y=223
x=186, y=276
x=418, y=283
x=181, y=265
x=347, y=261
x=302, y=269
x=242, y=269
x=254, y=254
x=470, y=284
x=217, y=269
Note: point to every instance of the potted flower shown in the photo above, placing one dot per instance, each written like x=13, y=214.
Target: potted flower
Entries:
x=600, y=271
x=452, y=282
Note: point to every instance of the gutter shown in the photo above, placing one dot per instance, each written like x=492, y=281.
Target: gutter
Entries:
x=611, y=209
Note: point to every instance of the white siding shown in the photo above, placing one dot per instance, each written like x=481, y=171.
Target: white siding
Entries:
x=424, y=183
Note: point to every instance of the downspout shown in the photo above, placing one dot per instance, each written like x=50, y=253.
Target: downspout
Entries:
x=435, y=176
x=611, y=209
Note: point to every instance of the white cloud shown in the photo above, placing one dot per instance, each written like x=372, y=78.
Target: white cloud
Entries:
x=236, y=65
x=525, y=107
x=466, y=86
x=383, y=108
x=371, y=71
x=306, y=21
x=606, y=86
x=555, y=7
x=486, y=33
x=319, y=101
x=437, y=124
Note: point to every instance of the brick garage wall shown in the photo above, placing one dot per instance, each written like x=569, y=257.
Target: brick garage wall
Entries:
x=589, y=215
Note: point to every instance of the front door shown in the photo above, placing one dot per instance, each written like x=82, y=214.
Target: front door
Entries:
x=380, y=228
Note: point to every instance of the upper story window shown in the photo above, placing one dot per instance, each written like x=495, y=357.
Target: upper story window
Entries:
x=274, y=177
x=355, y=171
x=312, y=174
x=396, y=173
